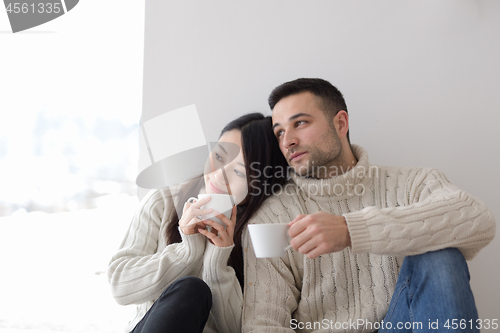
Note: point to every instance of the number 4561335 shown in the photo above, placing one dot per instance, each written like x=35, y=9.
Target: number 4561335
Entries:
x=478, y=324
x=25, y=8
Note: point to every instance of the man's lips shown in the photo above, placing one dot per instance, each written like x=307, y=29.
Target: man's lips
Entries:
x=216, y=189
x=296, y=155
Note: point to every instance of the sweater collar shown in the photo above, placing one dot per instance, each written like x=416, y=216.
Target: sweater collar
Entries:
x=346, y=185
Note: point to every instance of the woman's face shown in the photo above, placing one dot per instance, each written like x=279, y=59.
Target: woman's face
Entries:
x=225, y=170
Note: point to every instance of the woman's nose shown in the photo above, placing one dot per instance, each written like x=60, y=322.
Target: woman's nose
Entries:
x=220, y=175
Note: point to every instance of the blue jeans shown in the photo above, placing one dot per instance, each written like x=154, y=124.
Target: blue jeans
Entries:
x=183, y=307
x=432, y=294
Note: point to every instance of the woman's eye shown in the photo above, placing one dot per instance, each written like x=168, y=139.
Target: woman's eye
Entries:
x=218, y=157
x=240, y=174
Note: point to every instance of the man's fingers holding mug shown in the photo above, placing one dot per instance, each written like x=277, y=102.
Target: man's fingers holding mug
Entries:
x=299, y=240
x=298, y=225
x=297, y=218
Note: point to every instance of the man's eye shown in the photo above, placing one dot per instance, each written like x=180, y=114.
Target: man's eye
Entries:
x=300, y=122
x=279, y=133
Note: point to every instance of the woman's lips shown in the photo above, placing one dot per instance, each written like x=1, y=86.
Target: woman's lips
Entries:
x=215, y=189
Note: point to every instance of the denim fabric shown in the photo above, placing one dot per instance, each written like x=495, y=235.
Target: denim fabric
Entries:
x=432, y=294
x=183, y=307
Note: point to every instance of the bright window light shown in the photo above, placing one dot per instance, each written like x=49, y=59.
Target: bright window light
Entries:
x=70, y=102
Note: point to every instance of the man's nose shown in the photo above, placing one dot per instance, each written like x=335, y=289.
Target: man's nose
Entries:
x=289, y=140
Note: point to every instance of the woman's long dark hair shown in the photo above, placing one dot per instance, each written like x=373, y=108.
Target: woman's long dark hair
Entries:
x=265, y=168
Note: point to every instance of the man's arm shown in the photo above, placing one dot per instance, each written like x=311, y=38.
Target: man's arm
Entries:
x=436, y=215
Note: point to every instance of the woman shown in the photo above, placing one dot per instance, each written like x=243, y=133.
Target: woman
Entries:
x=163, y=258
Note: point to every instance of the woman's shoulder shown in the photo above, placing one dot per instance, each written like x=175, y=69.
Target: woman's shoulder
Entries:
x=154, y=197
x=158, y=199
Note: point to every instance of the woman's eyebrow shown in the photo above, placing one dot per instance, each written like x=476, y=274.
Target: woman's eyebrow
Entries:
x=224, y=150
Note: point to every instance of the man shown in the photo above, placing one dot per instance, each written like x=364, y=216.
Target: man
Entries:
x=373, y=247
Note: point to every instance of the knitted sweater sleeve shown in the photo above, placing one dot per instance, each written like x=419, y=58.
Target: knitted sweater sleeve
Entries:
x=227, y=297
x=139, y=272
x=430, y=213
x=271, y=293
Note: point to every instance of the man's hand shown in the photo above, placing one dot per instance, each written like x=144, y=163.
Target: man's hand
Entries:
x=319, y=233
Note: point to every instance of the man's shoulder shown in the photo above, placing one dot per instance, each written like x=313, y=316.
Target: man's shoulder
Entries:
x=388, y=170
x=278, y=203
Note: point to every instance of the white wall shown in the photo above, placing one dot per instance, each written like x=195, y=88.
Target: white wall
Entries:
x=421, y=80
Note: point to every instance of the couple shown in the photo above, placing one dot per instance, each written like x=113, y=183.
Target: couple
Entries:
x=373, y=247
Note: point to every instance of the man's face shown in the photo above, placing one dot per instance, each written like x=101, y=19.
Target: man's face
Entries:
x=307, y=139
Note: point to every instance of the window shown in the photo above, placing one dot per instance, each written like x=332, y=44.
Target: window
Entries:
x=70, y=108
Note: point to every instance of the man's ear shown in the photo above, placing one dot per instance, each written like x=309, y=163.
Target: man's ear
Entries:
x=341, y=123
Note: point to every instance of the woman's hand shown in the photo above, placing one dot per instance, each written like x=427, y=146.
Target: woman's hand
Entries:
x=190, y=223
x=220, y=236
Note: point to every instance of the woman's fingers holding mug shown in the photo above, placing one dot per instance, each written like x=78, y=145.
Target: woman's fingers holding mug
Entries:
x=198, y=211
x=200, y=202
x=192, y=209
x=230, y=223
x=214, y=239
x=187, y=204
x=225, y=219
x=233, y=214
x=223, y=236
x=192, y=226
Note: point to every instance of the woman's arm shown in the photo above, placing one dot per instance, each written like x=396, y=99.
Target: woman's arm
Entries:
x=227, y=297
x=139, y=271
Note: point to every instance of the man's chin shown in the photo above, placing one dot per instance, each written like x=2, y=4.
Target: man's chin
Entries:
x=300, y=170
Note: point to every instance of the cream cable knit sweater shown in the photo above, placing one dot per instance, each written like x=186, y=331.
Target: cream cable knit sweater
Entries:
x=144, y=266
x=390, y=212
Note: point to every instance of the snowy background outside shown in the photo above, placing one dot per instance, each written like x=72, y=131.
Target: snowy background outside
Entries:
x=70, y=105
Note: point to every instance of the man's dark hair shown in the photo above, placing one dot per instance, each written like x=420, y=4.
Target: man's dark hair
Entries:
x=330, y=98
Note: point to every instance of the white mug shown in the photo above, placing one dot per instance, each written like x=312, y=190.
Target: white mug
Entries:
x=269, y=239
x=222, y=203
